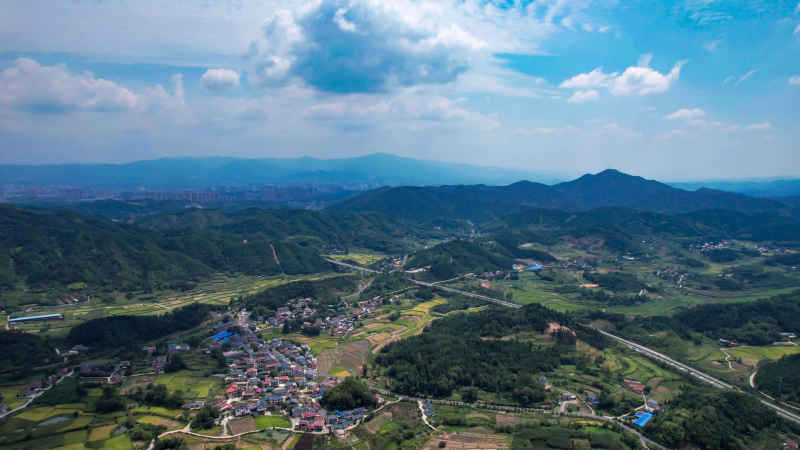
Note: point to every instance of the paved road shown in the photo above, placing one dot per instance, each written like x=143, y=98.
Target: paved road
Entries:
x=31, y=399
x=788, y=415
x=467, y=294
x=435, y=286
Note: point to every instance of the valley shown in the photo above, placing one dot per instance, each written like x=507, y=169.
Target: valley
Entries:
x=520, y=328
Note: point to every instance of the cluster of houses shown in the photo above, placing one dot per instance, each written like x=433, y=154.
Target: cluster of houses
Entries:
x=577, y=265
x=301, y=310
x=34, y=388
x=278, y=376
x=705, y=247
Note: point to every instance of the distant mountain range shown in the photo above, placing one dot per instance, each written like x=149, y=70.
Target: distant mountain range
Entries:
x=377, y=169
x=608, y=188
x=754, y=188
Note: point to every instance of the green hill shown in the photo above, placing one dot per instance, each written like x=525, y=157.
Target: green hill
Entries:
x=52, y=250
x=454, y=258
x=781, y=378
x=318, y=229
x=480, y=203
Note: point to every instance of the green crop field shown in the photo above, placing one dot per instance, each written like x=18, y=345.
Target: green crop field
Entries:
x=264, y=422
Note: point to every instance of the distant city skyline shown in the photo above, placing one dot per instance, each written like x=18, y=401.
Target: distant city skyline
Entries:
x=685, y=90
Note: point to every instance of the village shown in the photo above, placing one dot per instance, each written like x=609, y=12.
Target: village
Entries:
x=277, y=376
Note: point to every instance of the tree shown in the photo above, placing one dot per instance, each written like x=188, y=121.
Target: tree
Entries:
x=350, y=394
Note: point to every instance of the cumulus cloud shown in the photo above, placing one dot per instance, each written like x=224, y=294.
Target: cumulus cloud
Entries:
x=53, y=89
x=794, y=80
x=635, y=80
x=644, y=80
x=220, y=79
x=594, y=79
x=583, y=96
x=687, y=114
x=360, y=46
x=30, y=86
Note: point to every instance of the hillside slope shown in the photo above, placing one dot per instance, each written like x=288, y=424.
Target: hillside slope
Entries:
x=43, y=249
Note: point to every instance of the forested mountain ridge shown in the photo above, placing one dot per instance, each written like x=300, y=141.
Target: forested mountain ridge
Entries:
x=312, y=228
x=623, y=228
x=51, y=249
x=607, y=188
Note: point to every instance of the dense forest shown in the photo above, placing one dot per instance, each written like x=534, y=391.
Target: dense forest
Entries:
x=781, y=378
x=352, y=393
x=455, y=258
x=464, y=351
x=703, y=417
x=316, y=229
x=127, y=331
x=42, y=249
x=18, y=349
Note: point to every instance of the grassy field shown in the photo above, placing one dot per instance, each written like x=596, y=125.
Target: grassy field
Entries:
x=264, y=422
x=157, y=411
x=193, y=384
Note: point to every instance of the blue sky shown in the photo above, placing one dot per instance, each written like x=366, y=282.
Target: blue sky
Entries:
x=686, y=89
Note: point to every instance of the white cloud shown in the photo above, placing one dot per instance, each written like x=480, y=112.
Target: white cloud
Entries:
x=797, y=29
x=762, y=126
x=728, y=79
x=635, y=80
x=594, y=79
x=797, y=9
x=687, y=114
x=31, y=86
x=583, y=96
x=352, y=46
x=340, y=20
x=413, y=110
x=745, y=77
x=220, y=79
x=794, y=80
x=644, y=80
x=712, y=46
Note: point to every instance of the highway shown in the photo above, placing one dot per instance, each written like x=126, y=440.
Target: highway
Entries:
x=704, y=377
x=788, y=415
x=435, y=286
x=467, y=294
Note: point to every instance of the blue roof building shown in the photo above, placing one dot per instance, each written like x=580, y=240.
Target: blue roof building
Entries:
x=643, y=419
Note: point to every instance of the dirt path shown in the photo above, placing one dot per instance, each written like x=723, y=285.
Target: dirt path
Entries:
x=424, y=417
x=727, y=358
x=275, y=255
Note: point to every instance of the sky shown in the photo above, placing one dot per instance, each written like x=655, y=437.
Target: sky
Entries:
x=675, y=90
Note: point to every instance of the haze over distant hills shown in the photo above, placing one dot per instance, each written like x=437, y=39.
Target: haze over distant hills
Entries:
x=378, y=169
x=607, y=188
